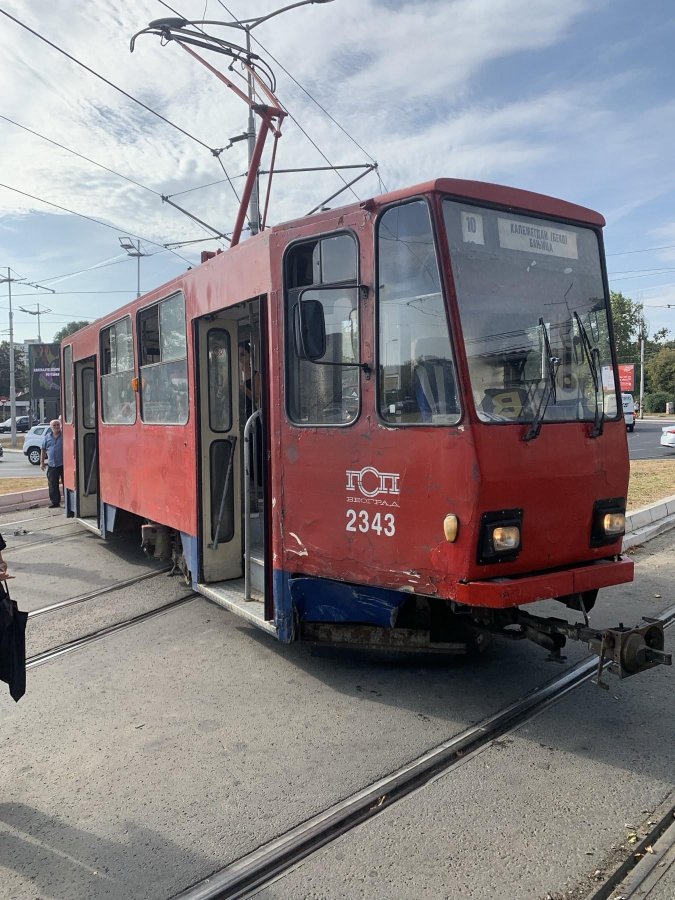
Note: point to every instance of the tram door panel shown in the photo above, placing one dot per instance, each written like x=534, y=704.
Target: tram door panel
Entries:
x=221, y=532
x=86, y=437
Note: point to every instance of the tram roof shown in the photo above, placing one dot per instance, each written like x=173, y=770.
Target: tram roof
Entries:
x=477, y=191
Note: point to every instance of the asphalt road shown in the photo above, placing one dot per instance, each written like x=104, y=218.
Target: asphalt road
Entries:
x=15, y=465
x=137, y=765
x=643, y=443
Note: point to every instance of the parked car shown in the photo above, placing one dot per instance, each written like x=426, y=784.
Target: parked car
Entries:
x=668, y=436
x=628, y=411
x=33, y=442
x=23, y=423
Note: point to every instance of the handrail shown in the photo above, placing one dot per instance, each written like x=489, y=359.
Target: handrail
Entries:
x=248, y=428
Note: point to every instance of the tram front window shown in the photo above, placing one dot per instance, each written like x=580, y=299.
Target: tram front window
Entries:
x=534, y=316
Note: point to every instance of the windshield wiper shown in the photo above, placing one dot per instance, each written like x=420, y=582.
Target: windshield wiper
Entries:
x=594, y=364
x=552, y=363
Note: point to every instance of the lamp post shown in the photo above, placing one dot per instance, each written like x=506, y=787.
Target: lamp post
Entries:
x=247, y=26
x=12, y=382
x=134, y=249
x=40, y=311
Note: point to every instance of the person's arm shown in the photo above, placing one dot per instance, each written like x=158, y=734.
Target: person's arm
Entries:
x=43, y=452
x=3, y=565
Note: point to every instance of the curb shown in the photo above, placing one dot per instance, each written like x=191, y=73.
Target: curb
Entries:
x=649, y=521
x=24, y=500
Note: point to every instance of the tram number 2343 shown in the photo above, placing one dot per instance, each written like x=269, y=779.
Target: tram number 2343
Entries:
x=364, y=521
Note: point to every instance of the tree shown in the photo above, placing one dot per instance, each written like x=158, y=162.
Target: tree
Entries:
x=661, y=371
x=20, y=372
x=629, y=323
x=68, y=329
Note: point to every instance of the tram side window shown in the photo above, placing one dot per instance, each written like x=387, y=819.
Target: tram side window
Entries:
x=68, y=384
x=118, y=399
x=163, y=362
x=417, y=380
x=325, y=391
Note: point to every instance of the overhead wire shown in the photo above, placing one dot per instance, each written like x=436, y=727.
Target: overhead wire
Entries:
x=72, y=212
x=311, y=97
x=80, y=155
x=115, y=87
x=216, y=152
x=290, y=114
x=106, y=81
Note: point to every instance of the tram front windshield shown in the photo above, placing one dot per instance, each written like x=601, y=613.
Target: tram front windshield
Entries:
x=534, y=316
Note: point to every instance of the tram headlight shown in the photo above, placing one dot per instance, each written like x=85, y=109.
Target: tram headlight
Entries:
x=500, y=536
x=609, y=521
x=506, y=537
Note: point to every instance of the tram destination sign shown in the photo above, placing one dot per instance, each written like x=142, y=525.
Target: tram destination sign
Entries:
x=44, y=364
x=537, y=237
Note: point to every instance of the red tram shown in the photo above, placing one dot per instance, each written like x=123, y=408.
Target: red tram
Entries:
x=395, y=422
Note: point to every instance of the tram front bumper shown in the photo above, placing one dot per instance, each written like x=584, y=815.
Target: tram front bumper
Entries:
x=501, y=593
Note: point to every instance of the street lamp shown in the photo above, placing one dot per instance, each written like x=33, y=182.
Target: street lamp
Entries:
x=40, y=311
x=134, y=249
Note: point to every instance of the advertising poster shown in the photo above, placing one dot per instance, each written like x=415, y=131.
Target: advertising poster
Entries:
x=44, y=365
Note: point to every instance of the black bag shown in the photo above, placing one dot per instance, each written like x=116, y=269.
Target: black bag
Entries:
x=12, y=644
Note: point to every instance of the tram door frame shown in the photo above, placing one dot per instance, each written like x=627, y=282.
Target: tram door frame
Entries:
x=219, y=450
x=86, y=470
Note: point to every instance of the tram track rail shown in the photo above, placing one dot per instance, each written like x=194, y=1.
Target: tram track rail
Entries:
x=85, y=640
x=638, y=874
x=263, y=866
x=99, y=592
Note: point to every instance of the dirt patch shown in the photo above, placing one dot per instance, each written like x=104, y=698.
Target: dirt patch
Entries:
x=651, y=480
x=16, y=485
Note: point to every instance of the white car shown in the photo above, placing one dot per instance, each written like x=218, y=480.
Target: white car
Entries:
x=668, y=436
x=33, y=442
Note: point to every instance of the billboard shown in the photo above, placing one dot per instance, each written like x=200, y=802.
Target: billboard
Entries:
x=627, y=376
x=44, y=367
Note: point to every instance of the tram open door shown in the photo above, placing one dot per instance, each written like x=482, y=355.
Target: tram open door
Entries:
x=233, y=533
x=86, y=445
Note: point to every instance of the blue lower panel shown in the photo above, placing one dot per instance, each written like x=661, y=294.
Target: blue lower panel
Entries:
x=320, y=600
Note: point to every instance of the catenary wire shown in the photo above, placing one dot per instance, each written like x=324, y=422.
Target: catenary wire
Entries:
x=107, y=81
x=312, y=98
x=87, y=158
x=91, y=219
x=215, y=152
x=292, y=117
x=80, y=155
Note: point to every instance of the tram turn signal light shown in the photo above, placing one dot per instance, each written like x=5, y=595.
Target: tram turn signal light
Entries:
x=450, y=527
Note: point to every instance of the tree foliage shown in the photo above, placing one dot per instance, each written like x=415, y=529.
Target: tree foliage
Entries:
x=660, y=371
x=629, y=323
x=20, y=370
x=68, y=329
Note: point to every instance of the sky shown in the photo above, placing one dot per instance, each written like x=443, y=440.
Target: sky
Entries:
x=572, y=99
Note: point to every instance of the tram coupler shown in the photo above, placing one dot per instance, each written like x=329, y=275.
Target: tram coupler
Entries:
x=627, y=651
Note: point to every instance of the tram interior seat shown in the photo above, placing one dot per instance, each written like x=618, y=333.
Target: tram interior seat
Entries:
x=434, y=379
